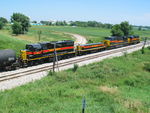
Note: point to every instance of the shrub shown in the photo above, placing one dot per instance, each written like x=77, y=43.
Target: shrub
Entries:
x=90, y=41
x=147, y=67
x=129, y=82
x=142, y=50
x=75, y=67
x=1, y=25
x=17, y=28
x=125, y=54
x=50, y=73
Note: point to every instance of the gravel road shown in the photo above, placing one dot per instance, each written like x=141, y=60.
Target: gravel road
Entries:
x=79, y=38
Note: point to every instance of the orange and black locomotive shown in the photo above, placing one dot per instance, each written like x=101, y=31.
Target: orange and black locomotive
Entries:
x=45, y=51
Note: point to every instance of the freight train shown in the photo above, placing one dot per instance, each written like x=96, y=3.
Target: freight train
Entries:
x=46, y=51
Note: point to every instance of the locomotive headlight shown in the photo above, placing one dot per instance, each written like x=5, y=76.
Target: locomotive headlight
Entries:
x=30, y=55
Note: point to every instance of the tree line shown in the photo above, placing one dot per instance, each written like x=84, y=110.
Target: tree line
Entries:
x=21, y=23
x=91, y=24
x=77, y=23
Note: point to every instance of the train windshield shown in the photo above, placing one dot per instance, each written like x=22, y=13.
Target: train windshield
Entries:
x=109, y=38
x=33, y=47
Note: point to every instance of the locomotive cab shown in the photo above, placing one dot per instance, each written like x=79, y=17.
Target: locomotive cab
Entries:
x=133, y=39
x=32, y=51
x=115, y=41
x=33, y=47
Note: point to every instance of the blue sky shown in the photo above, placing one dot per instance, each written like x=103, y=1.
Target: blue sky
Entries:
x=137, y=12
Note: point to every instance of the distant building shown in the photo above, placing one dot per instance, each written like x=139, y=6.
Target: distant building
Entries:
x=53, y=21
x=36, y=24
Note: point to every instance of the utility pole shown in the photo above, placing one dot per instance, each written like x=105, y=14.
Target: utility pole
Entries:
x=39, y=34
x=55, y=59
x=145, y=42
x=142, y=50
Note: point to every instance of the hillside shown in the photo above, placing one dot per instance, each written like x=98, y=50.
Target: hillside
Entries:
x=53, y=33
x=91, y=33
x=11, y=42
x=119, y=85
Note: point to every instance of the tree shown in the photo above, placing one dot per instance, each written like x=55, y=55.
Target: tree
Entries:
x=122, y=29
x=3, y=20
x=107, y=26
x=17, y=28
x=126, y=28
x=46, y=22
x=1, y=25
x=34, y=21
x=116, y=30
x=140, y=28
x=23, y=20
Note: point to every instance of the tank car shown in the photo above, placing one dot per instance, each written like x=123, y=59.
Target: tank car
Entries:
x=7, y=59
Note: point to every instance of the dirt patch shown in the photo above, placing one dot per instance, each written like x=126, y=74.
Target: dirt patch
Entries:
x=27, y=38
x=135, y=105
x=132, y=104
x=111, y=90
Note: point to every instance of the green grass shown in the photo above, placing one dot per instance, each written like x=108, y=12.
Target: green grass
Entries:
x=145, y=33
x=54, y=33
x=119, y=85
x=93, y=34
x=47, y=34
x=10, y=42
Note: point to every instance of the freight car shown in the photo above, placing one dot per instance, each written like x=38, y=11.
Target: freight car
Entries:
x=45, y=51
x=7, y=59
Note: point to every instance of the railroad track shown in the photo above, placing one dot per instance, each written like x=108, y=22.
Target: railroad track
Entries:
x=71, y=61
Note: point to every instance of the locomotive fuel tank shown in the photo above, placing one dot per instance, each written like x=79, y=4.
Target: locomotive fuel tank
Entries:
x=7, y=57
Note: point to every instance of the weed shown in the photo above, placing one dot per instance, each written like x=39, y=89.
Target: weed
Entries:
x=147, y=66
x=142, y=50
x=51, y=73
x=75, y=67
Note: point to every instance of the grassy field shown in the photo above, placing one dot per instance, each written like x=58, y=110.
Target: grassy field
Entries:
x=145, y=33
x=11, y=42
x=93, y=34
x=119, y=85
x=53, y=33
x=47, y=34
x=32, y=35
